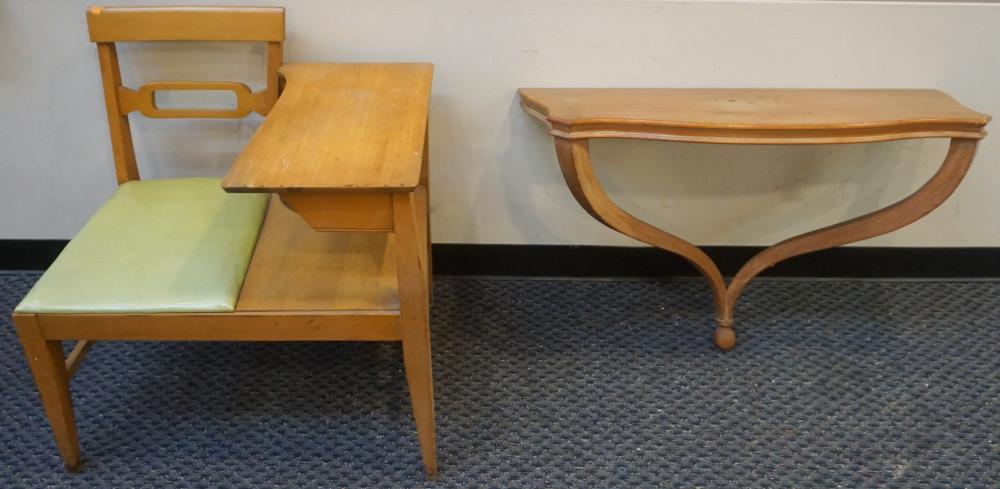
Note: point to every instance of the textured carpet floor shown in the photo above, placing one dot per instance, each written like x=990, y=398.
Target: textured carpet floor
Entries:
x=552, y=384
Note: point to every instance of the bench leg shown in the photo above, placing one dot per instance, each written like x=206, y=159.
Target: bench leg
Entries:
x=423, y=217
x=45, y=357
x=414, y=321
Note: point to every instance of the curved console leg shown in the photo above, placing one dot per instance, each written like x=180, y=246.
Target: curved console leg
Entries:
x=578, y=171
x=877, y=223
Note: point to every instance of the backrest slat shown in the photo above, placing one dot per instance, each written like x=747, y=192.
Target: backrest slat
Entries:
x=113, y=24
x=144, y=100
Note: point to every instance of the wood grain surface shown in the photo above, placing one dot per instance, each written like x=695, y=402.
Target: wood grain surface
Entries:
x=752, y=116
x=340, y=127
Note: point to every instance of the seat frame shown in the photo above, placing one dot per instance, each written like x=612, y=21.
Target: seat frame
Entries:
x=42, y=334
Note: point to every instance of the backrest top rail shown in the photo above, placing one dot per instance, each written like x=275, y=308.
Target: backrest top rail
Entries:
x=190, y=23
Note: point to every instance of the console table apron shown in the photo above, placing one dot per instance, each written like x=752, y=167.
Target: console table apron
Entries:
x=754, y=116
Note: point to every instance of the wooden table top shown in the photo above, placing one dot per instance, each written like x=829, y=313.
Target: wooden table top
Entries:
x=340, y=127
x=752, y=116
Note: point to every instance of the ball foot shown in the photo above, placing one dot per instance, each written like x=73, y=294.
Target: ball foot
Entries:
x=725, y=338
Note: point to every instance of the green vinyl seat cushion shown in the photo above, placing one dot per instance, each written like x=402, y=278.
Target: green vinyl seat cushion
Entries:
x=157, y=246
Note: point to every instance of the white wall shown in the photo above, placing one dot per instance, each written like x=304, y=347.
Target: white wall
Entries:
x=494, y=174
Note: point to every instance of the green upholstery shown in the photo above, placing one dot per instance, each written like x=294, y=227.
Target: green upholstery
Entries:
x=157, y=246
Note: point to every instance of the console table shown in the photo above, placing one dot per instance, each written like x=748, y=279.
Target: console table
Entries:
x=754, y=116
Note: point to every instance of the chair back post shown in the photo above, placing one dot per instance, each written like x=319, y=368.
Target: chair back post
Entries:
x=121, y=133
x=109, y=25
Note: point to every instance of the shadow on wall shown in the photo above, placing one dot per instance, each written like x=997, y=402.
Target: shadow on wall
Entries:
x=725, y=194
x=758, y=195
x=532, y=181
x=516, y=173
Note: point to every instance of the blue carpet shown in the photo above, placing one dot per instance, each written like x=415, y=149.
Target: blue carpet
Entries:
x=552, y=383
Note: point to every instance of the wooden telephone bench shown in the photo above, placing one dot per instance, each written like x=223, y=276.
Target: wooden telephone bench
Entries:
x=753, y=116
x=322, y=236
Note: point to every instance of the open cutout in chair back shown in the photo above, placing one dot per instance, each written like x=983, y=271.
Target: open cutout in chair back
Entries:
x=109, y=25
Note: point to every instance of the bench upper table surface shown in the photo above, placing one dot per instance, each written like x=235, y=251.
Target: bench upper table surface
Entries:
x=752, y=116
x=340, y=127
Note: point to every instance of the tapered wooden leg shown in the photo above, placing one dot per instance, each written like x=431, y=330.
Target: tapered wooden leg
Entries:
x=45, y=357
x=422, y=213
x=414, y=318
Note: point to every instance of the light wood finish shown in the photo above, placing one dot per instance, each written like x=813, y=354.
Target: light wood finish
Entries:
x=302, y=285
x=343, y=212
x=414, y=315
x=920, y=203
x=110, y=24
x=118, y=125
x=116, y=24
x=238, y=326
x=77, y=355
x=144, y=100
x=265, y=99
x=575, y=163
x=45, y=357
x=423, y=206
x=297, y=268
x=752, y=116
x=340, y=128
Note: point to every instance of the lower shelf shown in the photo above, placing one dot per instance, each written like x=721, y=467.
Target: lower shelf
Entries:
x=295, y=268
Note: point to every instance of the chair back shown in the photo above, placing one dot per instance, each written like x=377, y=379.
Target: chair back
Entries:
x=110, y=25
